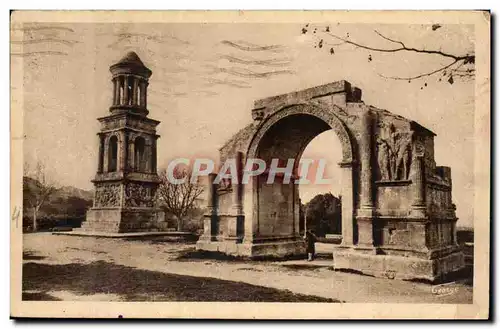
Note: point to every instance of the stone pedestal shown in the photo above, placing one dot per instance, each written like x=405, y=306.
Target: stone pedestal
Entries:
x=428, y=266
x=276, y=248
x=123, y=220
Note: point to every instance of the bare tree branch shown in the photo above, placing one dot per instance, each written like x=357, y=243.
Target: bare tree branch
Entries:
x=421, y=75
x=462, y=59
x=178, y=199
x=391, y=40
x=402, y=48
x=41, y=192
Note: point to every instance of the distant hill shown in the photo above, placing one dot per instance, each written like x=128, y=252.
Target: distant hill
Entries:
x=71, y=191
x=65, y=202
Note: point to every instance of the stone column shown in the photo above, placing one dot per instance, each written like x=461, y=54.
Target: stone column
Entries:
x=296, y=207
x=115, y=88
x=366, y=209
x=347, y=204
x=454, y=227
x=418, y=206
x=121, y=90
x=250, y=210
x=149, y=156
x=131, y=154
x=126, y=95
x=134, y=91
x=365, y=150
x=154, y=154
x=123, y=150
x=142, y=101
x=210, y=216
x=106, y=151
x=100, y=161
x=234, y=220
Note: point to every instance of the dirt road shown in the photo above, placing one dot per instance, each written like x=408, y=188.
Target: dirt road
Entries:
x=86, y=268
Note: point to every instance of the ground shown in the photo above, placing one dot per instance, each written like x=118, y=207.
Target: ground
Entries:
x=57, y=267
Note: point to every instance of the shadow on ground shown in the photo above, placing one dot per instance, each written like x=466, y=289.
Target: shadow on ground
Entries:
x=28, y=255
x=464, y=276
x=202, y=255
x=39, y=296
x=142, y=285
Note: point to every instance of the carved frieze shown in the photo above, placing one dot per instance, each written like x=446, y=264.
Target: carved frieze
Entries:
x=107, y=195
x=139, y=195
x=112, y=124
x=394, y=153
x=141, y=125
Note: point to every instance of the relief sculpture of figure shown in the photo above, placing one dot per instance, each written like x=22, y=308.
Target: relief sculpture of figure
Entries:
x=383, y=159
x=138, y=196
x=405, y=157
x=394, y=153
x=402, y=154
x=394, y=144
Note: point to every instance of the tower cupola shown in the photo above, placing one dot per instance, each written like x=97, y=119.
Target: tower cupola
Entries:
x=130, y=84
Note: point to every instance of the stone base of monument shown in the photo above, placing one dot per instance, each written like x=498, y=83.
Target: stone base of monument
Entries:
x=123, y=220
x=256, y=250
x=398, y=267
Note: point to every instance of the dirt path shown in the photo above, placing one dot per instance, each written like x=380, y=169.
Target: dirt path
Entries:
x=296, y=277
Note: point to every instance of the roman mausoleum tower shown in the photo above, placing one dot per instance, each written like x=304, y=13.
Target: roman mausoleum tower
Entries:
x=126, y=179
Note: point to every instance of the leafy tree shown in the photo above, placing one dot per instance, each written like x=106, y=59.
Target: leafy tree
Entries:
x=323, y=214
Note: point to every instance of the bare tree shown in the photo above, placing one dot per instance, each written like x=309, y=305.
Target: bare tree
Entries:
x=37, y=191
x=459, y=66
x=178, y=199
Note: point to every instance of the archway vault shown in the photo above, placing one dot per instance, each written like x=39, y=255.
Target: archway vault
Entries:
x=284, y=135
x=324, y=114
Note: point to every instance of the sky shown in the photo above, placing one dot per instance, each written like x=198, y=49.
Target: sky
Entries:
x=207, y=76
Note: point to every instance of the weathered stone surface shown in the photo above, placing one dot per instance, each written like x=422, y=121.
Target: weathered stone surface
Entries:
x=278, y=249
x=398, y=267
x=126, y=179
x=398, y=219
x=123, y=220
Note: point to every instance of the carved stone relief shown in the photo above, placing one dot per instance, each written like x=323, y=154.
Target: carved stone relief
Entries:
x=138, y=195
x=147, y=127
x=107, y=195
x=394, y=153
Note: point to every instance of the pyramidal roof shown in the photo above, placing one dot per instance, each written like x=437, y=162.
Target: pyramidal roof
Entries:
x=131, y=58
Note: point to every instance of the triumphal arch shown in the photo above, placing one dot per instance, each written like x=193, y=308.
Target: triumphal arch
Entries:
x=398, y=219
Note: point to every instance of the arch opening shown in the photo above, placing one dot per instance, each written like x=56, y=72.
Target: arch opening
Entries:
x=321, y=199
x=113, y=154
x=139, y=155
x=278, y=204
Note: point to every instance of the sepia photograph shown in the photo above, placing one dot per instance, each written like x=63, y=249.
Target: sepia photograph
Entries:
x=250, y=165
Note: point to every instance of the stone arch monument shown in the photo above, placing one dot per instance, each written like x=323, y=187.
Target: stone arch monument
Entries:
x=398, y=219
